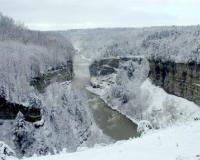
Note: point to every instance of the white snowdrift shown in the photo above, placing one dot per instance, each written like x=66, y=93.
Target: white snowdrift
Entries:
x=175, y=143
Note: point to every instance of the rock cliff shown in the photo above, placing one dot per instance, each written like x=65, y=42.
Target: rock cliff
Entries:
x=179, y=79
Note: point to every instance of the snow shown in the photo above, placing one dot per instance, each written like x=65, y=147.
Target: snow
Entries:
x=173, y=143
x=167, y=109
x=144, y=126
x=5, y=151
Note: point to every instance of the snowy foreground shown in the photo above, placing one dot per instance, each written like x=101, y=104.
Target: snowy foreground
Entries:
x=173, y=143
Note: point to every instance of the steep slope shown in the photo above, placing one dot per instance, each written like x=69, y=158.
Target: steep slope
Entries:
x=26, y=54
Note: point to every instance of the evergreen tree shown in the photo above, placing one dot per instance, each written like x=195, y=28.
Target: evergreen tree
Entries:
x=22, y=137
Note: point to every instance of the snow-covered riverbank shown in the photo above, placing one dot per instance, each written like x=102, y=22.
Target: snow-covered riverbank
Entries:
x=139, y=99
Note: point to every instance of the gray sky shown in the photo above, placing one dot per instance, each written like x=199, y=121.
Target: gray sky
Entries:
x=70, y=14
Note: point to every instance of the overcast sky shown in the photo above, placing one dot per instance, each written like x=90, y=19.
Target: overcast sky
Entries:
x=70, y=14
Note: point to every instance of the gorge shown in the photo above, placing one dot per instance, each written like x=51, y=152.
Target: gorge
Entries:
x=82, y=88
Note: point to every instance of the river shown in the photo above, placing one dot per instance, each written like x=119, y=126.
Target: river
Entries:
x=112, y=123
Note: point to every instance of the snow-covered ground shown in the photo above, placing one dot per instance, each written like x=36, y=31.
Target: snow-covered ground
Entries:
x=174, y=143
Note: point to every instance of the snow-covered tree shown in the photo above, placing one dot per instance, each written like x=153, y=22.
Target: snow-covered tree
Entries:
x=144, y=126
x=21, y=135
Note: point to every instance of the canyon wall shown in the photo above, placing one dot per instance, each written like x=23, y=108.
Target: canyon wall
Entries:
x=179, y=79
x=108, y=66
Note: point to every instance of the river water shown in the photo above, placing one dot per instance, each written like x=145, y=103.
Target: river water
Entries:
x=112, y=123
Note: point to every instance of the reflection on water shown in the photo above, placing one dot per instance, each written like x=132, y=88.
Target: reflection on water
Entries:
x=111, y=122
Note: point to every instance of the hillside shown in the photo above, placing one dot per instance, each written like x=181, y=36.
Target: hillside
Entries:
x=26, y=54
x=176, y=43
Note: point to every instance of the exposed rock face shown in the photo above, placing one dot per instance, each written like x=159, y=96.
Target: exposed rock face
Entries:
x=9, y=111
x=175, y=78
x=59, y=74
x=108, y=66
